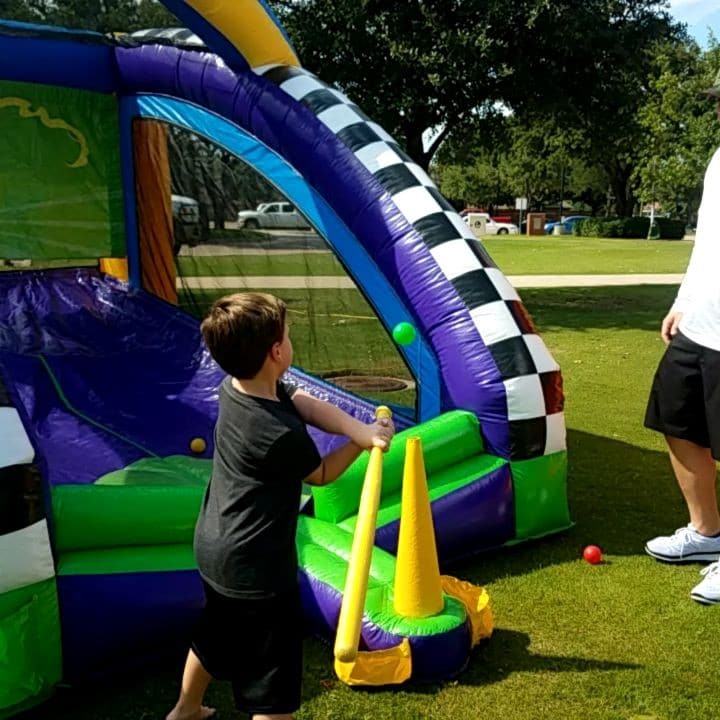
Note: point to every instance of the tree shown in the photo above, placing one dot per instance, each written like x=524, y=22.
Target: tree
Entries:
x=103, y=16
x=543, y=161
x=152, y=14
x=417, y=65
x=22, y=10
x=680, y=128
x=477, y=183
x=613, y=132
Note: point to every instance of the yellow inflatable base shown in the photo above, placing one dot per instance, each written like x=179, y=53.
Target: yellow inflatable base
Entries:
x=477, y=604
x=391, y=666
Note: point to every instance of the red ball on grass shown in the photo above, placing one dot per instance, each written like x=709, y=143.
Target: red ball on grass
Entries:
x=592, y=554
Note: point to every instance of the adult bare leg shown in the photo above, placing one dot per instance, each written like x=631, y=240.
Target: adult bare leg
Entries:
x=696, y=474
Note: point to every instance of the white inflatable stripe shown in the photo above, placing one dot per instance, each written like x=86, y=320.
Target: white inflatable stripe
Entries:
x=502, y=284
x=25, y=557
x=494, y=322
x=525, y=397
x=338, y=117
x=15, y=448
x=415, y=203
x=300, y=86
x=455, y=258
x=544, y=361
x=377, y=155
x=556, y=435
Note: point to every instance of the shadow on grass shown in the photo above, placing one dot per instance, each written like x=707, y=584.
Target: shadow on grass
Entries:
x=641, y=307
x=620, y=495
x=150, y=691
x=507, y=652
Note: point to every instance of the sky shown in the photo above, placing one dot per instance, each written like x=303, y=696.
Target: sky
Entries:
x=699, y=16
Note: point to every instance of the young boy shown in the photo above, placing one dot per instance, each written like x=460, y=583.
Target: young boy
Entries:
x=251, y=629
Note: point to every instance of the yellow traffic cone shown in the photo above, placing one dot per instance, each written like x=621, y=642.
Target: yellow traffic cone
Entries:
x=418, y=589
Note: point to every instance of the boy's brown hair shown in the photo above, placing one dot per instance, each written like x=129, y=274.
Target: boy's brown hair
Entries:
x=240, y=330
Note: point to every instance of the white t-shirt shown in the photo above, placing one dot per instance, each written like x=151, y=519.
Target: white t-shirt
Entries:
x=699, y=295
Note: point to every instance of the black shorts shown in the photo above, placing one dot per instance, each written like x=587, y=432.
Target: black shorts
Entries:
x=257, y=646
x=685, y=396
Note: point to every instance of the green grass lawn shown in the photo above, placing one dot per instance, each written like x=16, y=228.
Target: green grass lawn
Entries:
x=269, y=264
x=570, y=255
x=619, y=641
x=515, y=255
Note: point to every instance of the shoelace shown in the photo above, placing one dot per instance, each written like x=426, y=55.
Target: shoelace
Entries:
x=711, y=569
x=683, y=534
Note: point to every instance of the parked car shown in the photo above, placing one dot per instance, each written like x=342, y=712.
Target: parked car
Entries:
x=273, y=215
x=568, y=224
x=471, y=209
x=492, y=227
x=186, y=221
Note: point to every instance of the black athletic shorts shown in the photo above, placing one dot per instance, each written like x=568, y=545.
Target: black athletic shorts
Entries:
x=257, y=646
x=685, y=396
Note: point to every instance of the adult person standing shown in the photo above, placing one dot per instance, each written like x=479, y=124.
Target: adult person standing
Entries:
x=684, y=401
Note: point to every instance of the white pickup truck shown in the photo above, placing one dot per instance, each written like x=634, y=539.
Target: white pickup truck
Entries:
x=272, y=215
x=482, y=224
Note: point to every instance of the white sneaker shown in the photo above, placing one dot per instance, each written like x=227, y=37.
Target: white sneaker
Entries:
x=707, y=591
x=685, y=545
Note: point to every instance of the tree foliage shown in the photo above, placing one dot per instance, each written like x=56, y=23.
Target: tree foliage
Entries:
x=680, y=127
x=418, y=65
x=543, y=98
x=541, y=161
x=105, y=16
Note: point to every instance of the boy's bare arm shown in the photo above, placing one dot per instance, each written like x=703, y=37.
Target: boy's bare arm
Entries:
x=334, y=464
x=332, y=419
x=324, y=415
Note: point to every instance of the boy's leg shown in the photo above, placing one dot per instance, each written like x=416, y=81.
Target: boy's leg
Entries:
x=268, y=682
x=696, y=473
x=195, y=682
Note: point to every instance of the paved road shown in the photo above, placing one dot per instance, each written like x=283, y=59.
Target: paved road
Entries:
x=333, y=282
x=530, y=281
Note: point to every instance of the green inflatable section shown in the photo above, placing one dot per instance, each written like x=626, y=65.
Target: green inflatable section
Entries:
x=30, y=655
x=325, y=548
x=447, y=441
x=142, y=518
x=158, y=506
x=322, y=547
x=176, y=470
x=540, y=490
x=151, y=558
x=441, y=484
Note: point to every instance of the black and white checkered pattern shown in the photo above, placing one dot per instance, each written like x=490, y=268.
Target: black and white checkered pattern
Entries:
x=180, y=37
x=531, y=376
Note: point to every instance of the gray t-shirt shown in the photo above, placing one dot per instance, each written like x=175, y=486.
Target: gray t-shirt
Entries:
x=245, y=535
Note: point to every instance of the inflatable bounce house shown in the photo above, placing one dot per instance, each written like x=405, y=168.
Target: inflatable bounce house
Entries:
x=110, y=396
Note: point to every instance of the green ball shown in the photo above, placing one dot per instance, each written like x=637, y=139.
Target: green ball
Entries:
x=404, y=333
